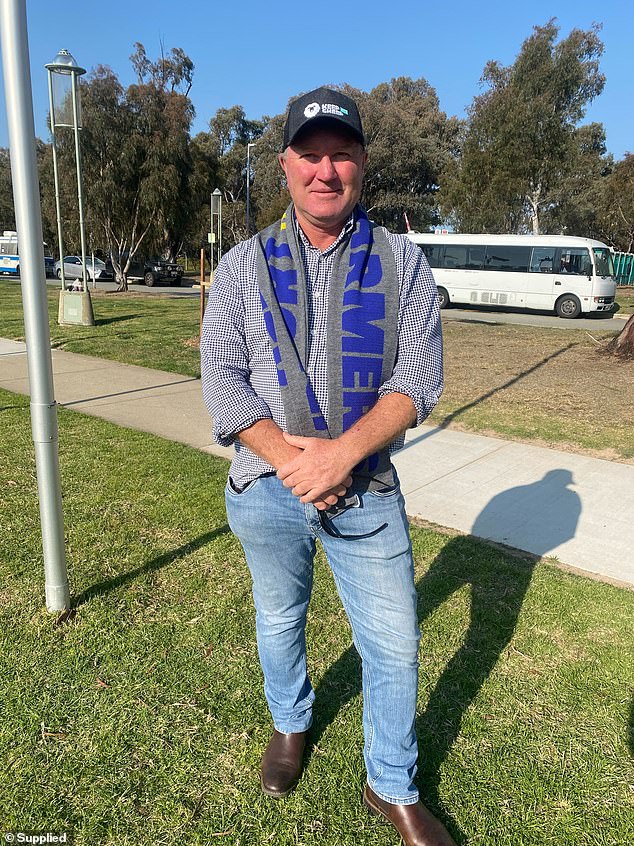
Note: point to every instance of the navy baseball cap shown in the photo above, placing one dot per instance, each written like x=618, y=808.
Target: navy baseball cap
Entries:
x=320, y=105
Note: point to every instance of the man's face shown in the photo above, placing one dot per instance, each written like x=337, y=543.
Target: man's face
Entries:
x=324, y=171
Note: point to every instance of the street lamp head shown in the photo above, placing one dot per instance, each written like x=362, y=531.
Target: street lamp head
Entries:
x=65, y=63
x=216, y=201
x=63, y=76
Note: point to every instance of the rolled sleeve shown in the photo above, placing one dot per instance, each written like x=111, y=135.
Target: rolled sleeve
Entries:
x=230, y=399
x=418, y=372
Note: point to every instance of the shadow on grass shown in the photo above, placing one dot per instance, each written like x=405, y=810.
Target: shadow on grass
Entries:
x=446, y=421
x=150, y=567
x=498, y=583
x=105, y=321
x=630, y=732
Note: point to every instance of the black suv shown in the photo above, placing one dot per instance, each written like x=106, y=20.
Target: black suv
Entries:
x=151, y=270
x=159, y=270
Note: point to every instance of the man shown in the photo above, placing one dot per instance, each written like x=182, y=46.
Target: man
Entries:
x=321, y=345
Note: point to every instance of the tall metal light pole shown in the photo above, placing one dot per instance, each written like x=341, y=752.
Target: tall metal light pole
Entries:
x=28, y=214
x=216, y=240
x=65, y=109
x=249, y=189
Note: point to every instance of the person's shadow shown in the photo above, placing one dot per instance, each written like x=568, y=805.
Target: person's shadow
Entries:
x=498, y=583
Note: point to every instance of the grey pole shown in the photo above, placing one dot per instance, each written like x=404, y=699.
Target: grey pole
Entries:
x=17, y=86
x=58, y=208
x=80, y=195
x=249, y=190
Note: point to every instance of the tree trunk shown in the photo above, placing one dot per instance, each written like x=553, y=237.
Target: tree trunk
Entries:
x=622, y=346
x=533, y=201
x=122, y=281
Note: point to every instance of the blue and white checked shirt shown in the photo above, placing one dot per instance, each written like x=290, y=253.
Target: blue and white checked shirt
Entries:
x=239, y=377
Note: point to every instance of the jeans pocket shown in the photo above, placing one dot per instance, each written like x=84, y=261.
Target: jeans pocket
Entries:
x=388, y=490
x=230, y=490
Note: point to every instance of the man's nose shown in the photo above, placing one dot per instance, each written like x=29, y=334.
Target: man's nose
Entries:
x=326, y=170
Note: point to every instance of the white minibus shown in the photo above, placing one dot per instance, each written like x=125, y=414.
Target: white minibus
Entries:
x=571, y=276
x=10, y=255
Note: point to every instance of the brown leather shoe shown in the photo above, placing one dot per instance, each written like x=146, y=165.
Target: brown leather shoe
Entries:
x=282, y=763
x=416, y=825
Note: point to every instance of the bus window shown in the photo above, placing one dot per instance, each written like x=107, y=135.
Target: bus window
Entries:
x=475, y=260
x=508, y=258
x=433, y=253
x=575, y=260
x=603, y=261
x=455, y=256
x=542, y=260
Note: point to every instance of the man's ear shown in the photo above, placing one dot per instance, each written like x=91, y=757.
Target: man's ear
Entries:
x=282, y=160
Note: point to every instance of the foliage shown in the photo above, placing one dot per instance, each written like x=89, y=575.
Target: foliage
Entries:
x=229, y=134
x=136, y=157
x=521, y=141
x=409, y=142
x=269, y=190
x=616, y=206
x=7, y=215
x=576, y=196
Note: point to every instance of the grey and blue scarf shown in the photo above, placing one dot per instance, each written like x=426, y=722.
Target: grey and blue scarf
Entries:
x=362, y=331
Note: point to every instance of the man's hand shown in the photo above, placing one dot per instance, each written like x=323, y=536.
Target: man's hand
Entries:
x=266, y=439
x=321, y=472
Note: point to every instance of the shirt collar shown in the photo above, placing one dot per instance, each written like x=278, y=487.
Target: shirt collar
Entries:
x=347, y=229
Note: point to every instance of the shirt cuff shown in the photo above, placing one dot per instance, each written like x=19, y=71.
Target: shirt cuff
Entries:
x=424, y=401
x=227, y=426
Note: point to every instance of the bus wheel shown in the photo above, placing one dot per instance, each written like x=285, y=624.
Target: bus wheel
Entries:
x=568, y=306
x=443, y=298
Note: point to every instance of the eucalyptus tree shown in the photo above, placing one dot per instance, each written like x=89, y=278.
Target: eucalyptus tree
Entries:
x=410, y=142
x=7, y=215
x=522, y=140
x=616, y=206
x=136, y=156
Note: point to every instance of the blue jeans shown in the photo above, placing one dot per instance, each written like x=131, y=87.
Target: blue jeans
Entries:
x=375, y=581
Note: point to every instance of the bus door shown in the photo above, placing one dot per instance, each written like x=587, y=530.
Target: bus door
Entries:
x=541, y=287
x=574, y=274
x=464, y=263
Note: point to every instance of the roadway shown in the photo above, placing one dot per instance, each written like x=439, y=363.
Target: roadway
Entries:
x=522, y=317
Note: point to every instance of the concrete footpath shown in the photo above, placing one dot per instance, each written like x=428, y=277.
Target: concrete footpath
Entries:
x=544, y=501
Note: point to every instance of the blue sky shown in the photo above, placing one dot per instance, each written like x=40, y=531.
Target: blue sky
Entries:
x=259, y=54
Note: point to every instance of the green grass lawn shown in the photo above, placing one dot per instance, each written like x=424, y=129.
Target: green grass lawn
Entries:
x=625, y=299
x=151, y=331
x=548, y=386
x=141, y=720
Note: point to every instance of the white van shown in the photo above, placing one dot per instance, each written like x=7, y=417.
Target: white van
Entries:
x=568, y=275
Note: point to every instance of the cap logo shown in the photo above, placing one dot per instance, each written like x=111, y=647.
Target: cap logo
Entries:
x=312, y=110
x=333, y=109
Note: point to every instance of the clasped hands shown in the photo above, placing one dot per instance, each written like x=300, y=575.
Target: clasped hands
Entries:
x=320, y=473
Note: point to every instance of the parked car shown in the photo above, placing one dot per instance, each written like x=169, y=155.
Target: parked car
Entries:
x=151, y=270
x=159, y=270
x=73, y=269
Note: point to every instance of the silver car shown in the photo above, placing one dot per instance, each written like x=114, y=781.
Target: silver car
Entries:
x=73, y=270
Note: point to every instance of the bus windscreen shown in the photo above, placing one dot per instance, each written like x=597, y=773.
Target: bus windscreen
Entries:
x=603, y=261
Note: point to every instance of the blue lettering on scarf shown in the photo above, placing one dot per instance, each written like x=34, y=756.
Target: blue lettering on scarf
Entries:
x=270, y=328
x=284, y=282
x=358, y=403
x=273, y=250
x=361, y=371
x=357, y=322
x=318, y=418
